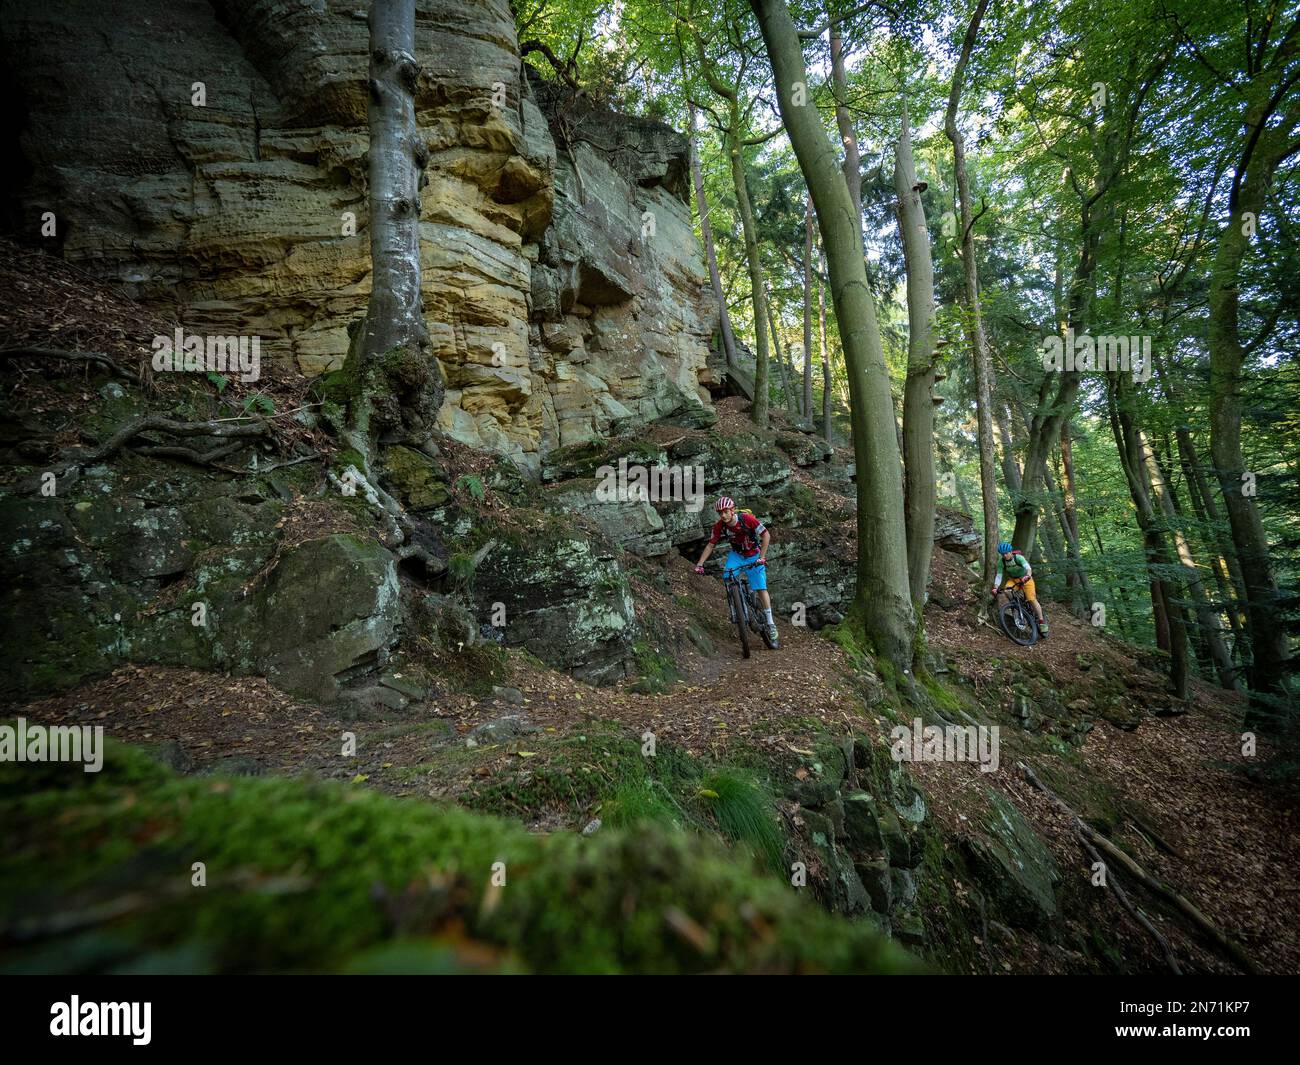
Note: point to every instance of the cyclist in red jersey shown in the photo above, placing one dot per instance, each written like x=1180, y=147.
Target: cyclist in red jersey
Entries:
x=748, y=538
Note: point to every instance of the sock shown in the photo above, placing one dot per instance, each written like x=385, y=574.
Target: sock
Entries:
x=768, y=615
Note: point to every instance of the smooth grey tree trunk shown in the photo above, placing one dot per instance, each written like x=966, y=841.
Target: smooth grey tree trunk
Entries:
x=808, y=224
x=974, y=319
x=786, y=390
x=1266, y=148
x=828, y=432
x=918, y=395
x=399, y=385
x=882, y=603
x=710, y=251
x=844, y=120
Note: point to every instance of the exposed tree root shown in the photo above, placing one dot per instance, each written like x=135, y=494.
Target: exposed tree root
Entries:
x=97, y=357
x=1122, y=897
x=398, y=527
x=1156, y=887
x=236, y=432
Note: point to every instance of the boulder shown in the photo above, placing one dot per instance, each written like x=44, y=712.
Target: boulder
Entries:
x=330, y=611
x=1014, y=865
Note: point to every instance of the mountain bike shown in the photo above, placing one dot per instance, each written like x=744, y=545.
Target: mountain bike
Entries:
x=745, y=607
x=1017, y=618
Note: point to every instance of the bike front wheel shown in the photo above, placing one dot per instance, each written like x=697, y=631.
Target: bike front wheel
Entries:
x=737, y=601
x=1019, y=624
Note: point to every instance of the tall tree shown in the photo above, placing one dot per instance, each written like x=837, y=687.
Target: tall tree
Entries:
x=882, y=603
x=808, y=225
x=706, y=238
x=918, y=397
x=1268, y=136
x=974, y=320
x=734, y=124
x=828, y=433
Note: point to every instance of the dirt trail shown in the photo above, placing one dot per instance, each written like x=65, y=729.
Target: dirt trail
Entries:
x=1237, y=847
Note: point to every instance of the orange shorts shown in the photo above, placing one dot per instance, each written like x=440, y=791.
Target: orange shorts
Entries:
x=1028, y=588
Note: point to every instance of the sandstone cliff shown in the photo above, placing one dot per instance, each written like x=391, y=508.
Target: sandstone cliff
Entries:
x=563, y=286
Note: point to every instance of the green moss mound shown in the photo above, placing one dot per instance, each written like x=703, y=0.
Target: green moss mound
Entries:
x=96, y=876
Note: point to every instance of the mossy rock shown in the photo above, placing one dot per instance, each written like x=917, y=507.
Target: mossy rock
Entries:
x=1015, y=867
x=317, y=877
x=333, y=604
x=417, y=480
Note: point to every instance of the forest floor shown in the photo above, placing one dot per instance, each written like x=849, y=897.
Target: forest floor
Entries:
x=1170, y=785
x=1227, y=842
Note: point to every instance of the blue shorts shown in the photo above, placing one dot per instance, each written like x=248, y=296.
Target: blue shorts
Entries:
x=756, y=575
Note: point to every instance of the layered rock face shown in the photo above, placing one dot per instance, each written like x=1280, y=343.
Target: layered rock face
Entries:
x=211, y=157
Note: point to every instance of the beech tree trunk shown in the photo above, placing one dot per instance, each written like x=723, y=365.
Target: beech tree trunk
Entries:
x=391, y=350
x=828, y=433
x=1265, y=150
x=786, y=390
x=1132, y=446
x=808, y=225
x=710, y=251
x=974, y=319
x=882, y=603
x=918, y=396
x=758, y=294
x=852, y=166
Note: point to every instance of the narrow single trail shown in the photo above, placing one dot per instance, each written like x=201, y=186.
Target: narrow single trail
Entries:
x=1235, y=842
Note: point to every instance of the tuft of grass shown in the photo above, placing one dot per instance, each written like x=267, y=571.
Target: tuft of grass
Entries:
x=744, y=813
x=657, y=672
x=635, y=802
x=460, y=574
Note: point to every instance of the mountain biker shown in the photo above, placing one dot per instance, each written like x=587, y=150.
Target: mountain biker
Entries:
x=747, y=537
x=1015, y=567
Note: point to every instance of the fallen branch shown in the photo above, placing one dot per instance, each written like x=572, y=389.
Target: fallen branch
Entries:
x=1122, y=896
x=1203, y=923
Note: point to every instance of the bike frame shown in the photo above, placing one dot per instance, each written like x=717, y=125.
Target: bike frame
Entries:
x=738, y=577
x=1016, y=598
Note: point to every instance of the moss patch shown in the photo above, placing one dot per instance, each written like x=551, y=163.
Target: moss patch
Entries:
x=304, y=876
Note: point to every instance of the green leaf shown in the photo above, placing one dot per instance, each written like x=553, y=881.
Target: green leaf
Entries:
x=473, y=483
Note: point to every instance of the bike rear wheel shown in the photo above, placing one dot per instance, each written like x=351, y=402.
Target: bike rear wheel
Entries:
x=737, y=600
x=1019, y=623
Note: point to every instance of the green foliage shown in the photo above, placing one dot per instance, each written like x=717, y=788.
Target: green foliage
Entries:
x=657, y=672
x=460, y=574
x=472, y=483
x=744, y=813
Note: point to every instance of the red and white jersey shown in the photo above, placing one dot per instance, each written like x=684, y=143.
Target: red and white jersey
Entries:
x=744, y=536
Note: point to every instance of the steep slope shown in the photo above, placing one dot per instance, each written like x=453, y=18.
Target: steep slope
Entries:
x=786, y=755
